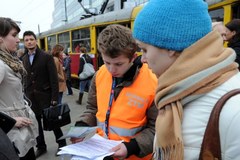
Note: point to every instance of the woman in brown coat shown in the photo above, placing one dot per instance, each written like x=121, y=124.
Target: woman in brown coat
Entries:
x=57, y=54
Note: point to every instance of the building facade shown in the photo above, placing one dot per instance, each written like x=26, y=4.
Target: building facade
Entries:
x=70, y=11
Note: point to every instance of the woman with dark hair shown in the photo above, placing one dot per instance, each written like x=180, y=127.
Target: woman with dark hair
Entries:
x=85, y=83
x=233, y=37
x=67, y=69
x=23, y=134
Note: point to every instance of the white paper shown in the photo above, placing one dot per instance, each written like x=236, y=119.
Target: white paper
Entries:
x=92, y=149
x=98, y=158
x=80, y=132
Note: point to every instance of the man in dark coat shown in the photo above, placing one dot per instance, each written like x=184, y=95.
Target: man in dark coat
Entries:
x=40, y=85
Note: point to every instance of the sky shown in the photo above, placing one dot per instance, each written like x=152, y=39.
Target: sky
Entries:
x=30, y=13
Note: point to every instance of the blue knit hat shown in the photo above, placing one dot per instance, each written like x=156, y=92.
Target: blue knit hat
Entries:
x=172, y=24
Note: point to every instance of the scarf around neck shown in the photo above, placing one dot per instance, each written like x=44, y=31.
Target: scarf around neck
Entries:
x=13, y=62
x=199, y=69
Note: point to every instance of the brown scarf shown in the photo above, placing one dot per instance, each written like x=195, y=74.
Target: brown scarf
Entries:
x=13, y=62
x=199, y=69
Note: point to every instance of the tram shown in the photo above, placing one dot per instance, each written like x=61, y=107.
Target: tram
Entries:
x=85, y=31
x=224, y=10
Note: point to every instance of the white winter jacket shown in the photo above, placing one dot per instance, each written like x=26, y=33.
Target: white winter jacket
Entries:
x=195, y=120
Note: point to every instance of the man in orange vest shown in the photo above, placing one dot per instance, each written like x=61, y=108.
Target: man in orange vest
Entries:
x=121, y=96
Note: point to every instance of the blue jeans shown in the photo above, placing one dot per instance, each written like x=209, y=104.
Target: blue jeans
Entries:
x=84, y=85
x=60, y=95
x=69, y=87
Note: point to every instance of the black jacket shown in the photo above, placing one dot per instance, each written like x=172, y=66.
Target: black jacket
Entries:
x=41, y=82
x=236, y=47
x=7, y=151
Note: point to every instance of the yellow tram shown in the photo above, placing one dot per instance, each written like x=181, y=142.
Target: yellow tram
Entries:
x=85, y=31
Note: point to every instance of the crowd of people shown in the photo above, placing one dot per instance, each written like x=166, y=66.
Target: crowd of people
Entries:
x=158, y=104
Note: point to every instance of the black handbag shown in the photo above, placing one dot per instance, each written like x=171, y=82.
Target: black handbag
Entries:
x=6, y=122
x=56, y=116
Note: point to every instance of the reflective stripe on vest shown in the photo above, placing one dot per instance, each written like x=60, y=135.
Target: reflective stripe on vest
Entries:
x=128, y=112
x=120, y=131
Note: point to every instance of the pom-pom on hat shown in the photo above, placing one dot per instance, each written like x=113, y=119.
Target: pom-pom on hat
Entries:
x=172, y=24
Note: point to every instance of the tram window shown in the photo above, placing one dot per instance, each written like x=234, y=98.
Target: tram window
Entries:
x=51, y=42
x=217, y=15
x=81, y=33
x=64, y=39
x=81, y=38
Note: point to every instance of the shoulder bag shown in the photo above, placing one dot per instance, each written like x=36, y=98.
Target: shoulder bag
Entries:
x=88, y=70
x=211, y=146
x=56, y=116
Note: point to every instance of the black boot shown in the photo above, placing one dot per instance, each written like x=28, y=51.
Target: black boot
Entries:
x=79, y=101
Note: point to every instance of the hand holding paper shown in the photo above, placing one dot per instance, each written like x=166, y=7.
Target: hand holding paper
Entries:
x=120, y=151
x=90, y=149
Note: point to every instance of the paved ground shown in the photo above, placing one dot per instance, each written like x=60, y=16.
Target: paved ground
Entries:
x=76, y=110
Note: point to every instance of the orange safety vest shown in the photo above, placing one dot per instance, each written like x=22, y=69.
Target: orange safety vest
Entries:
x=128, y=112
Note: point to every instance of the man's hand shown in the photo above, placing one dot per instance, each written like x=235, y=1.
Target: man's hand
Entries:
x=120, y=151
x=76, y=140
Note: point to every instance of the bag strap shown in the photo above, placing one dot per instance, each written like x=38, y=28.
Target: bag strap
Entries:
x=211, y=148
x=84, y=60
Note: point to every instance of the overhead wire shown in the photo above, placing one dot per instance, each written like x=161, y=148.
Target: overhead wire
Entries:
x=23, y=8
x=25, y=11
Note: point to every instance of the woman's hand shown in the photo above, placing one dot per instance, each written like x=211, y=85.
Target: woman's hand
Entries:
x=22, y=122
x=120, y=151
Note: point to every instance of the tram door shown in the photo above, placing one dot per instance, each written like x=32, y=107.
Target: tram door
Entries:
x=99, y=57
x=42, y=44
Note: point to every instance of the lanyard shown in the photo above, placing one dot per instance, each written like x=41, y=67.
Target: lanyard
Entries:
x=109, y=107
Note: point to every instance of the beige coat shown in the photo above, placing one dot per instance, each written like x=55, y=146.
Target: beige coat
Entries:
x=61, y=75
x=12, y=104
